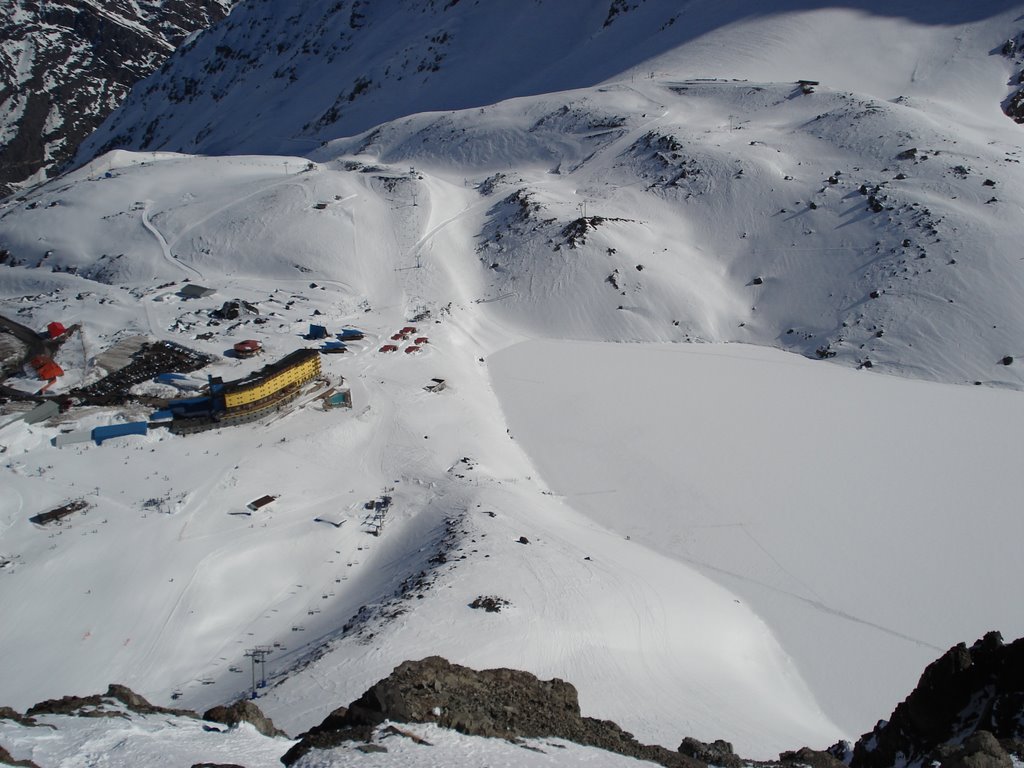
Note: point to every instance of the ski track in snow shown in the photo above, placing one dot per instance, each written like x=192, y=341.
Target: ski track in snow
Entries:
x=165, y=249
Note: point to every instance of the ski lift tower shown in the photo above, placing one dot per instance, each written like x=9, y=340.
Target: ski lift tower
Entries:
x=258, y=655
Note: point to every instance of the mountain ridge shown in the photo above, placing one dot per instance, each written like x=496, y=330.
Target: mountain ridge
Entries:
x=64, y=66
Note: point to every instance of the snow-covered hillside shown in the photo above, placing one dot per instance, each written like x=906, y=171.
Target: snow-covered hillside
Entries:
x=674, y=194
x=65, y=65
x=283, y=75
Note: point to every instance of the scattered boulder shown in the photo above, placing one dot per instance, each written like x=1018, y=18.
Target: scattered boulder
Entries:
x=76, y=706
x=810, y=757
x=1008, y=360
x=98, y=706
x=980, y=750
x=490, y=603
x=243, y=711
x=1014, y=107
x=6, y=713
x=718, y=752
x=139, y=705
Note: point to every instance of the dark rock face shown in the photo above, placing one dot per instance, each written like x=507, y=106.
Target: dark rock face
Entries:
x=971, y=695
x=504, y=703
x=66, y=64
x=243, y=711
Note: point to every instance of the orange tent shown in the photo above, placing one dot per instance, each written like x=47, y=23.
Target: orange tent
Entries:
x=46, y=369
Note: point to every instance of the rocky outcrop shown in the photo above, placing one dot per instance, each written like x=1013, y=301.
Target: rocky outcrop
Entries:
x=6, y=759
x=243, y=711
x=104, y=705
x=504, y=703
x=967, y=706
x=718, y=752
x=967, y=711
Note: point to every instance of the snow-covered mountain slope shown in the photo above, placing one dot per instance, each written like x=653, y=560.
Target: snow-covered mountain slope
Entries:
x=129, y=740
x=65, y=65
x=829, y=224
x=281, y=76
x=848, y=220
x=212, y=584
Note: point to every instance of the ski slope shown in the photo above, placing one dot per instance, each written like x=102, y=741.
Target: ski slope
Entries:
x=627, y=288
x=850, y=511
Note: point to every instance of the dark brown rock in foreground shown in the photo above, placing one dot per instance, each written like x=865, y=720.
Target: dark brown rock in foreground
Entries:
x=966, y=692
x=504, y=703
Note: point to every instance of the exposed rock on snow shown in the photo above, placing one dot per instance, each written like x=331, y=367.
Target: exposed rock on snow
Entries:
x=6, y=759
x=966, y=703
x=965, y=713
x=501, y=703
x=98, y=705
x=243, y=711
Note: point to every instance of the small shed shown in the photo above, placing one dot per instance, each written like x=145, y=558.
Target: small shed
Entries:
x=350, y=334
x=261, y=502
x=331, y=518
x=70, y=438
x=247, y=348
x=409, y=329
x=59, y=513
x=389, y=348
x=55, y=329
x=195, y=291
x=316, y=332
x=411, y=348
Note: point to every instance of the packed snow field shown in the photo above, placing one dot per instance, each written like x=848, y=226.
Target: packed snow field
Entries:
x=159, y=740
x=715, y=539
